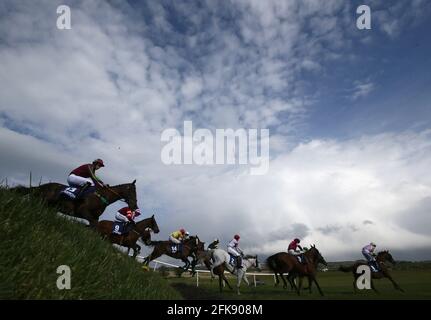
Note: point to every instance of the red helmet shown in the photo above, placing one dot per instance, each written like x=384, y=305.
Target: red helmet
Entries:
x=236, y=237
x=99, y=162
x=182, y=231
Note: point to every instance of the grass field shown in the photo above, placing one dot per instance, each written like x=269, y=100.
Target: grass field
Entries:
x=34, y=241
x=335, y=285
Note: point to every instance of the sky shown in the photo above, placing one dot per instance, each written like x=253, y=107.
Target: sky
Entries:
x=348, y=113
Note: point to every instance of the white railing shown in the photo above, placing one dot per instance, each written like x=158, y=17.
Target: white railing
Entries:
x=254, y=274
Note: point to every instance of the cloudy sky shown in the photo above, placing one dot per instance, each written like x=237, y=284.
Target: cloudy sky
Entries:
x=348, y=111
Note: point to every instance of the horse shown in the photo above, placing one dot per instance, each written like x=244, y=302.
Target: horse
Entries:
x=206, y=257
x=383, y=272
x=284, y=262
x=91, y=206
x=139, y=230
x=221, y=257
x=191, y=247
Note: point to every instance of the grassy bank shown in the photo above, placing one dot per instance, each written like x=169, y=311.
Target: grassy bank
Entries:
x=34, y=241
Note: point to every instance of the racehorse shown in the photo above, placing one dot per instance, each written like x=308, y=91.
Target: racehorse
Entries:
x=191, y=247
x=284, y=262
x=141, y=229
x=91, y=206
x=206, y=257
x=383, y=272
x=221, y=257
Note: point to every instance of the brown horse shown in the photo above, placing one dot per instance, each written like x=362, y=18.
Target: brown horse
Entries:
x=205, y=257
x=91, y=206
x=284, y=262
x=141, y=229
x=190, y=248
x=383, y=272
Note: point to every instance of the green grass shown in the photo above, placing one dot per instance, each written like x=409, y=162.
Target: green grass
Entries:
x=34, y=241
x=335, y=285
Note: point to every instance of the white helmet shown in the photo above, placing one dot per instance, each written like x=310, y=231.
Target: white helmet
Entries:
x=187, y=233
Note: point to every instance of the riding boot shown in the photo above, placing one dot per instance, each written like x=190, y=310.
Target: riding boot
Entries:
x=239, y=262
x=84, y=187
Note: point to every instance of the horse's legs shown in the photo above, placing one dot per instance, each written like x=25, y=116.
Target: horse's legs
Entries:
x=136, y=250
x=317, y=284
x=238, y=280
x=187, y=263
x=396, y=286
x=291, y=280
x=153, y=255
x=373, y=287
x=227, y=282
x=277, y=282
x=220, y=284
x=284, y=281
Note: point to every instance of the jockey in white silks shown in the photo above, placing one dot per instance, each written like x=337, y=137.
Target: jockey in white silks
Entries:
x=234, y=250
x=368, y=252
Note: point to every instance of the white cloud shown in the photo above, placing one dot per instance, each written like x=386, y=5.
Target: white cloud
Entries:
x=362, y=89
x=108, y=87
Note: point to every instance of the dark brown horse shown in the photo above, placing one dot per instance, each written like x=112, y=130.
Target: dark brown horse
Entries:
x=91, y=206
x=284, y=262
x=141, y=229
x=381, y=258
x=190, y=248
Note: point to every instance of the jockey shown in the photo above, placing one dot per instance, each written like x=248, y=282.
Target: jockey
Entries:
x=179, y=236
x=295, y=249
x=127, y=215
x=85, y=176
x=234, y=250
x=214, y=244
x=368, y=252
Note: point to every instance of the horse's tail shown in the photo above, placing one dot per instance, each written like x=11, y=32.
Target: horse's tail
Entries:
x=154, y=243
x=345, y=269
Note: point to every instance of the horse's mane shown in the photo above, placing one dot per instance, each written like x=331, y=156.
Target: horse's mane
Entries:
x=382, y=252
x=121, y=185
x=249, y=256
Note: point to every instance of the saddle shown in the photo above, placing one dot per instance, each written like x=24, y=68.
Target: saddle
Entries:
x=301, y=258
x=232, y=260
x=176, y=248
x=374, y=266
x=73, y=193
x=121, y=228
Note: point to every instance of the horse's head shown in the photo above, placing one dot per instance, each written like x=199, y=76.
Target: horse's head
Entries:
x=316, y=255
x=153, y=225
x=196, y=243
x=254, y=261
x=128, y=193
x=385, y=256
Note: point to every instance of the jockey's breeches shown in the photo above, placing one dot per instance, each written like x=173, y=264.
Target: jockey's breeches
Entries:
x=174, y=240
x=233, y=252
x=120, y=217
x=77, y=181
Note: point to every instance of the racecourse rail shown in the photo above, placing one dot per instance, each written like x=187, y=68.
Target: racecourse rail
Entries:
x=157, y=262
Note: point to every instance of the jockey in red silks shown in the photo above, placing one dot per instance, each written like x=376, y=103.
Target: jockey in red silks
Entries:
x=85, y=175
x=294, y=246
x=234, y=250
x=127, y=215
x=296, y=250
